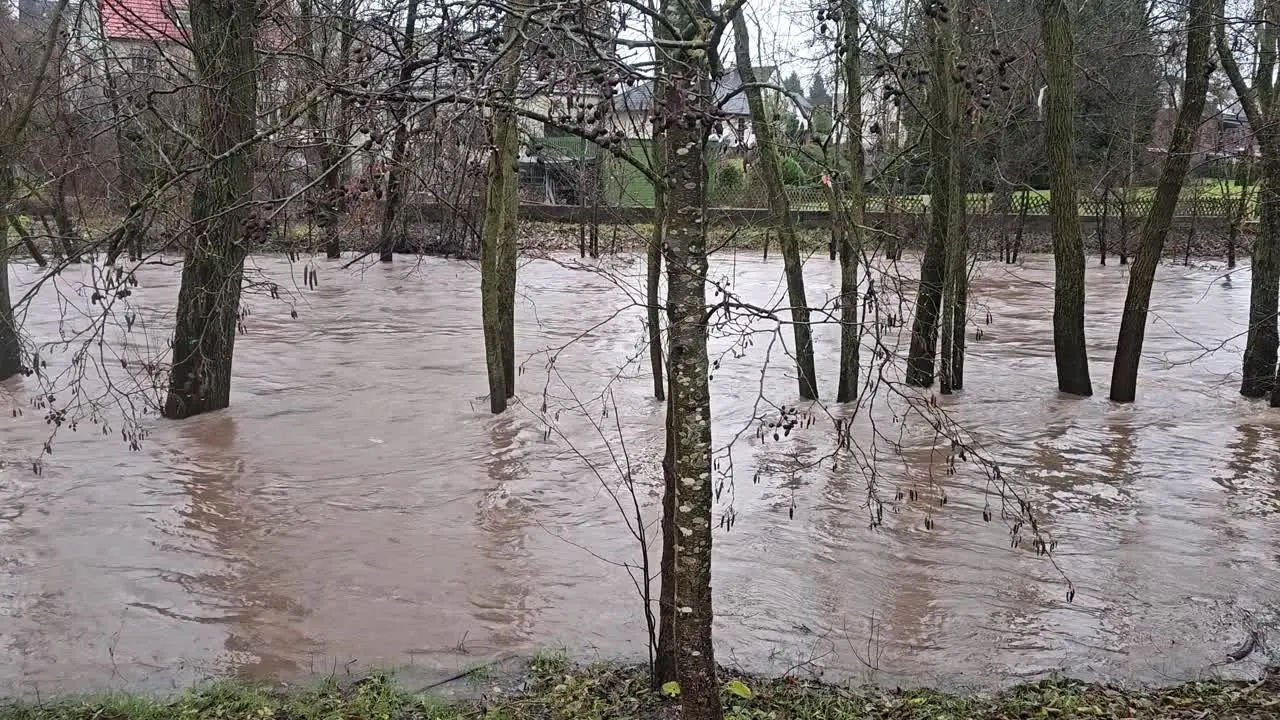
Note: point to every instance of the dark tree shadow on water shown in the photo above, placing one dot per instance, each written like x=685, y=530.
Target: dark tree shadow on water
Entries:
x=504, y=518
x=263, y=640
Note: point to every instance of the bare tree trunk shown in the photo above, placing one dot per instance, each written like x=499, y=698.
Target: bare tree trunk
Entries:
x=326, y=154
x=851, y=237
x=13, y=124
x=68, y=238
x=394, y=199
x=27, y=241
x=1069, y=350
x=780, y=206
x=933, y=268
x=1124, y=376
x=1262, y=107
x=664, y=667
x=10, y=345
x=1123, y=250
x=653, y=271
x=1102, y=226
x=685, y=117
x=222, y=46
x=1259, y=366
x=498, y=244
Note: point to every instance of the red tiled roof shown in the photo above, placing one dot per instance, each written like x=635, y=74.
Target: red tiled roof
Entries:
x=145, y=20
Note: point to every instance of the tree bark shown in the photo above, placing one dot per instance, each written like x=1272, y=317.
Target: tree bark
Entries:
x=10, y=345
x=780, y=207
x=1069, y=350
x=326, y=154
x=922, y=355
x=664, y=668
x=1262, y=107
x=498, y=238
x=222, y=47
x=1124, y=375
x=686, y=115
x=851, y=238
x=394, y=199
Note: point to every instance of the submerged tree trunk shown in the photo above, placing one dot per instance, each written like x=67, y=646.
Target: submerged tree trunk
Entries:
x=13, y=124
x=1262, y=107
x=1133, y=324
x=68, y=238
x=780, y=206
x=1102, y=226
x=498, y=241
x=326, y=153
x=933, y=268
x=394, y=200
x=1259, y=366
x=851, y=238
x=1069, y=351
x=10, y=346
x=222, y=47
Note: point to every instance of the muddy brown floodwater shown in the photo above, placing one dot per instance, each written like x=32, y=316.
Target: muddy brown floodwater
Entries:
x=357, y=506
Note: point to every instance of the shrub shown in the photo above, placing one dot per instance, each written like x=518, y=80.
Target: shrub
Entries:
x=792, y=173
x=729, y=177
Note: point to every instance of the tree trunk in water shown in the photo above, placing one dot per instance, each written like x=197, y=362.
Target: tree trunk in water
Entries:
x=329, y=210
x=498, y=241
x=685, y=115
x=780, y=206
x=1102, y=226
x=68, y=239
x=933, y=268
x=851, y=238
x=1069, y=350
x=327, y=154
x=1123, y=251
x=28, y=242
x=1124, y=375
x=1259, y=366
x=1262, y=107
x=653, y=273
x=10, y=346
x=394, y=199
x=222, y=47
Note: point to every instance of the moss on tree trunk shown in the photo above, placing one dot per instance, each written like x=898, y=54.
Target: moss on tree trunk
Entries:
x=1142, y=272
x=770, y=164
x=1069, y=348
x=222, y=45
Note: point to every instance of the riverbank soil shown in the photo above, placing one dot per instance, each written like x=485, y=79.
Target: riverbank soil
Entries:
x=552, y=689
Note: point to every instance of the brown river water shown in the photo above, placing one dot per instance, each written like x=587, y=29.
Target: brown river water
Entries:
x=358, y=507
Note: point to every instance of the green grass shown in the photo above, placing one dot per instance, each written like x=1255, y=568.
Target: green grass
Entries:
x=556, y=690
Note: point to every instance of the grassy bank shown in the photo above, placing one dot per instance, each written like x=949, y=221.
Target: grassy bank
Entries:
x=554, y=690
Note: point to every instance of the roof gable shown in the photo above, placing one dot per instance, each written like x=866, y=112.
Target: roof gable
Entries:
x=142, y=20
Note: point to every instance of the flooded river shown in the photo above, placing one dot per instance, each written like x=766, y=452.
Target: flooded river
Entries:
x=357, y=506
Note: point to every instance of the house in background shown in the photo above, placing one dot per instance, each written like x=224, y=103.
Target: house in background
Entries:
x=1224, y=134
x=633, y=109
